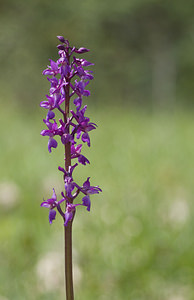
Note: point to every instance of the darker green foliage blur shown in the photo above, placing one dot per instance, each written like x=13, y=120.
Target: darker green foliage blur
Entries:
x=143, y=50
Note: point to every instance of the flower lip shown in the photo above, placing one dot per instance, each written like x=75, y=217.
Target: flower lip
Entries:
x=86, y=202
x=52, y=215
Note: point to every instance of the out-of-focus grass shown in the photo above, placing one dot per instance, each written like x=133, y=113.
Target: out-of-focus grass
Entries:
x=137, y=241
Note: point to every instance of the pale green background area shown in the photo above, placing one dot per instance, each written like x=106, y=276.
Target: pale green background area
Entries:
x=137, y=241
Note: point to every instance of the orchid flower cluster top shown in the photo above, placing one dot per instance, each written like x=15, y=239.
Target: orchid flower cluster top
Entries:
x=68, y=83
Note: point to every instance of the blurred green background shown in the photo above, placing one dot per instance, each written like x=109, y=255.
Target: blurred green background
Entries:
x=137, y=242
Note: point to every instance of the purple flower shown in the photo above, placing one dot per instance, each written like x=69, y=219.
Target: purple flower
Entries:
x=61, y=39
x=51, y=131
x=88, y=190
x=83, y=74
x=57, y=85
x=68, y=180
x=66, y=137
x=79, y=115
x=50, y=115
x=51, y=204
x=83, y=125
x=68, y=77
x=52, y=215
x=79, y=88
x=52, y=143
x=70, y=211
x=82, y=62
x=81, y=50
x=76, y=153
x=86, y=202
x=53, y=101
x=49, y=104
x=78, y=102
x=64, y=67
x=64, y=41
x=52, y=69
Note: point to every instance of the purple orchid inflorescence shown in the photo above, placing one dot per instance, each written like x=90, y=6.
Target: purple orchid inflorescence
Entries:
x=68, y=83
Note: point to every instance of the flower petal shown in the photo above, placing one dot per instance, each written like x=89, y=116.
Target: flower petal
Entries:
x=86, y=202
x=81, y=50
x=52, y=143
x=86, y=184
x=86, y=138
x=52, y=215
x=68, y=217
x=45, y=204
